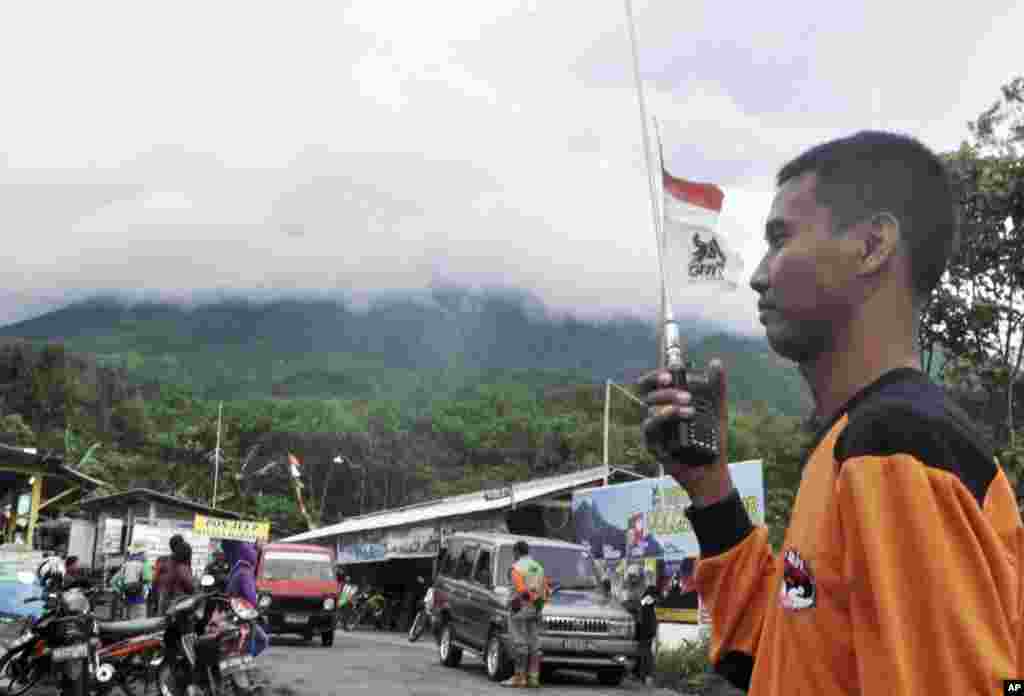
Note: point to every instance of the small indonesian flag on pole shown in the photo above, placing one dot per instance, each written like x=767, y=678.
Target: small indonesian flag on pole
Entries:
x=294, y=461
x=691, y=212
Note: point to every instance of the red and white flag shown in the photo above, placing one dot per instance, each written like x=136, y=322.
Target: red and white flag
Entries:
x=690, y=228
x=294, y=461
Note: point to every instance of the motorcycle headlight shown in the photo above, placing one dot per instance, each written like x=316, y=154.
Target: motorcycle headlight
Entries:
x=329, y=603
x=243, y=609
x=264, y=601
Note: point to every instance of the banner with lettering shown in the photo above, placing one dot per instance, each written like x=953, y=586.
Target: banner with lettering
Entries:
x=645, y=518
x=236, y=530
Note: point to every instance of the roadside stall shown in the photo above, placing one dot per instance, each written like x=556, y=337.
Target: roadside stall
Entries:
x=147, y=518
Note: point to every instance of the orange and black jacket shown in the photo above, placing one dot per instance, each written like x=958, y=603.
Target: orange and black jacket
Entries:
x=900, y=571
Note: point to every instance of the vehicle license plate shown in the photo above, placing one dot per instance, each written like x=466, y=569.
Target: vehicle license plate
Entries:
x=71, y=652
x=576, y=645
x=295, y=618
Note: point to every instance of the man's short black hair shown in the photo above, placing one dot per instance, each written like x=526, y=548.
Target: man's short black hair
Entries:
x=872, y=172
x=521, y=548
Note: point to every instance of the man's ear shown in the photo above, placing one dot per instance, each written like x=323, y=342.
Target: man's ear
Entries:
x=879, y=240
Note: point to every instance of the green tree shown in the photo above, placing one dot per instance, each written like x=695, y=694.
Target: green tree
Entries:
x=17, y=431
x=975, y=319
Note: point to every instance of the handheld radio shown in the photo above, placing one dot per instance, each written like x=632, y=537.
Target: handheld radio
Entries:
x=695, y=442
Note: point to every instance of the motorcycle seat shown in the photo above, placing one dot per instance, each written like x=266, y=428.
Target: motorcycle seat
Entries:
x=132, y=627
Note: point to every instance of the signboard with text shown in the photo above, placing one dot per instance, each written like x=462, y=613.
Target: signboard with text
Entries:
x=646, y=518
x=643, y=523
x=236, y=530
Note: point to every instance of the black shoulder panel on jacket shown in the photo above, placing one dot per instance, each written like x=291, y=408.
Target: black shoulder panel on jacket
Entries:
x=737, y=668
x=917, y=418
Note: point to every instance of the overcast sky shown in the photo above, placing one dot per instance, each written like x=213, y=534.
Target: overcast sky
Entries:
x=304, y=147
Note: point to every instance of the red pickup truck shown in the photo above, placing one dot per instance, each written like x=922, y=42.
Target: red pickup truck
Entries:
x=298, y=590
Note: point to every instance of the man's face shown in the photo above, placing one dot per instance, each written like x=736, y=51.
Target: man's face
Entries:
x=804, y=278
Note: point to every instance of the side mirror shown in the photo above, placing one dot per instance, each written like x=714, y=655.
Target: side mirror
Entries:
x=207, y=581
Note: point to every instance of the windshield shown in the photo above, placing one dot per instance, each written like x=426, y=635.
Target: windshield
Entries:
x=566, y=568
x=297, y=566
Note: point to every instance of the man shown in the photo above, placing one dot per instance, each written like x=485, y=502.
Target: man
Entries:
x=899, y=571
x=75, y=575
x=130, y=583
x=638, y=598
x=219, y=569
x=646, y=634
x=532, y=592
x=153, y=598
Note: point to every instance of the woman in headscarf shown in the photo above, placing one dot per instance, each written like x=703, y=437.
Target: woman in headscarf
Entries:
x=242, y=557
x=176, y=573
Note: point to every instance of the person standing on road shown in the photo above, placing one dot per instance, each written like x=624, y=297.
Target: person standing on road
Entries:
x=130, y=583
x=532, y=592
x=638, y=598
x=176, y=573
x=900, y=570
x=647, y=634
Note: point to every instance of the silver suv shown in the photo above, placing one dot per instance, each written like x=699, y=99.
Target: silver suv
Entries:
x=583, y=627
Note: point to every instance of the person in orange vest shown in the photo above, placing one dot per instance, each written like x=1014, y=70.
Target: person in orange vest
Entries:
x=532, y=591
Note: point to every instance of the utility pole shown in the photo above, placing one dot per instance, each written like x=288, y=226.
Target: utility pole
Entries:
x=607, y=414
x=216, y=457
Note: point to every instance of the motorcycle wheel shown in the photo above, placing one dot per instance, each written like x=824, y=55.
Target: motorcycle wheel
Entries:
x=419, y=625
x=167, y=681
x=74, y=680
x=352, y=620
x=22, y=674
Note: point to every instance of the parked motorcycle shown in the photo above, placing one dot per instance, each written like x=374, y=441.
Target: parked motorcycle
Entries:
x=57, y=645
x=424, y=618
x=127, y=655
x=368, y=607
x=205, y=646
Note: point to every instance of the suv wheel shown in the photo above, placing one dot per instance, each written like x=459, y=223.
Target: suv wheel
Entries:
x=450, y=654
x=611, y=677
x=499, y=667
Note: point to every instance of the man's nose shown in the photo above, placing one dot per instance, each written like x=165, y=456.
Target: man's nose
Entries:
x=759, y=280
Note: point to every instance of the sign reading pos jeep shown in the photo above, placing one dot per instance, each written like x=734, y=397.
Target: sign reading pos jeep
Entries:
x=236, y=530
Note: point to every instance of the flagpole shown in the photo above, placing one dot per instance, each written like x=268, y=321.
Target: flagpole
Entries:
x=661, y=246
x=643, y=125
x=666, y=309
x=216, y=457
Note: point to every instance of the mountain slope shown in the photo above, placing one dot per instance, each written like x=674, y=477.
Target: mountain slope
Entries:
x=403, y=349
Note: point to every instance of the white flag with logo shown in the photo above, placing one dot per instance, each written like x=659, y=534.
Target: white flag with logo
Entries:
x=691, y=212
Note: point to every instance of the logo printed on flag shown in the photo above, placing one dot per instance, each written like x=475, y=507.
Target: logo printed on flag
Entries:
x=691, y=212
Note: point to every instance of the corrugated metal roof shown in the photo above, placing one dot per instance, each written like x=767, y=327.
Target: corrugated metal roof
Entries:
x=135, y=495
x=455, y=506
